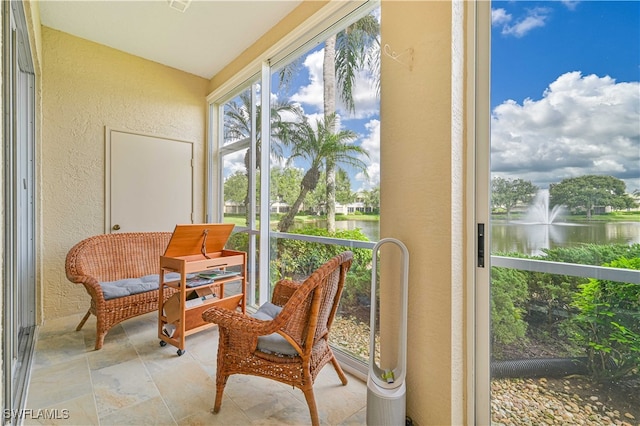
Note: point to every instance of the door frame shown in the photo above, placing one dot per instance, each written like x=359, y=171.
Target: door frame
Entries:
x=19, y=199
x=479, y=291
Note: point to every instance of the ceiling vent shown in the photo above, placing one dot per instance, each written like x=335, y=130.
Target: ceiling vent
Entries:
x=179, y=5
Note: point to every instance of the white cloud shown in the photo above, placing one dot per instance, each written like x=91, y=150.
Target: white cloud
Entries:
x=535, y=18
x=371, y=143
x=234, y=162
x=312, y=95
x=571, y=4
x=367, y=102
x=499, y=16
x=582, y=125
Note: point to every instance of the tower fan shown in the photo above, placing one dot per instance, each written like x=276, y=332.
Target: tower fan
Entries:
x=386, y=388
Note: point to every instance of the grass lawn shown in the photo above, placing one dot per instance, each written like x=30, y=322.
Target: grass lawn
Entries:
x=611, y=217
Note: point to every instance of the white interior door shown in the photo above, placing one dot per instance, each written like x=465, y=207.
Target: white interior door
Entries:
x=149, y=182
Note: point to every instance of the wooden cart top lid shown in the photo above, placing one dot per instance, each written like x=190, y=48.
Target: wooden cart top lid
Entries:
x=193, y=239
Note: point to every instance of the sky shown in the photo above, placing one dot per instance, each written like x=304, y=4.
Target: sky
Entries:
x=364, y=120
x=565, y=93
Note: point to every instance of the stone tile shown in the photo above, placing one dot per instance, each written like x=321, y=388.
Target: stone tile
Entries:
x=52, y=385
x=230, y=414
x=266, y=401
x=150, y=412
x=204, y=349
x=251, y=391
x=112, y=354
x=58, y=348
x=186, y=390
x=142, y=329
x=122, y=385
x=132, y=380
x=359, y=418
x=335, y=400
x=78, y=411
x=157, y=358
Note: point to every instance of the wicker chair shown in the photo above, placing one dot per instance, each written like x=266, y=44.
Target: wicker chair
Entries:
x=308, y=310
x=112, y=257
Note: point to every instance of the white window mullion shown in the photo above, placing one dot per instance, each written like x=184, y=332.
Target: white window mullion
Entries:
x=265, y=168
x=252, y=181
x=253, y=202
x=213, y=183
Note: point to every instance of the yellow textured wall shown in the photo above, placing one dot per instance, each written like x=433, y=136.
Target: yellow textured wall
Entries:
x=417, y=197
x=85, y=87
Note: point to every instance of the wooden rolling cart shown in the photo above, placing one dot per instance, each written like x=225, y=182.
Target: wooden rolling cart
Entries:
x=196, y=253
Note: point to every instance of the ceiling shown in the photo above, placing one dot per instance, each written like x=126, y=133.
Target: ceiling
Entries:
x=201, y=40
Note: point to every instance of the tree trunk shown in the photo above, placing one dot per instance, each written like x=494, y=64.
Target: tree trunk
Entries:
x=329, y=80
x=287, y=221
x=309, y=183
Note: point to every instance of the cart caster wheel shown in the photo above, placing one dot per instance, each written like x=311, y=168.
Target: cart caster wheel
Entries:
x=180, y=352
x=163, y=343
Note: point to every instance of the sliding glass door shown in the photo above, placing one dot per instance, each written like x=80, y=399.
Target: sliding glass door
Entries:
x=564, y=230
x=18, y=94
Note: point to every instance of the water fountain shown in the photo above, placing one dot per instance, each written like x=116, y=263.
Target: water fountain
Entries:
x=539, y=211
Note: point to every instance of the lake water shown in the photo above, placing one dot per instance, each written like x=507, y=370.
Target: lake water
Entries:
x=529, y=239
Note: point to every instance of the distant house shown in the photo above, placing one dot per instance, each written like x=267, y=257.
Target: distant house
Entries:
x=233, y=207
x=279, y=207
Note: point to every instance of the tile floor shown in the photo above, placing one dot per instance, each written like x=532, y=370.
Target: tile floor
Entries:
x=134, y=381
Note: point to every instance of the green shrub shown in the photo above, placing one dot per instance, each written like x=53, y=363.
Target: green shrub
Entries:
x=608, y=325
x=295, y=259
x=591, y=254
x=238, y=241
x=555, y=293
x=508, y=298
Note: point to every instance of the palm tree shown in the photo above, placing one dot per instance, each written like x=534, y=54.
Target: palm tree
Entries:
x=345, y=53
x=316, y=146
x=238, y=126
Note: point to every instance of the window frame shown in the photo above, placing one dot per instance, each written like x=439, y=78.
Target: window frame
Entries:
x=331, y=19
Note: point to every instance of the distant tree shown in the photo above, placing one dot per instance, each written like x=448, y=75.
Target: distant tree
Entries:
x=583, y=193
x=630, y=201
x=317, y=199
x=285, y=184
x=235, y=187
x=507, y=193
x=372, y=199
x=343, y=188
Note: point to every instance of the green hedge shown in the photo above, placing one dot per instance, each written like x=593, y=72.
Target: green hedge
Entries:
x=608, y=324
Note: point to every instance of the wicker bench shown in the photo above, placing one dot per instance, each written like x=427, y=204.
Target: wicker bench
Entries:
x=112, y=257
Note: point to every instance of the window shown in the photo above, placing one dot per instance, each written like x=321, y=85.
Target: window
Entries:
x=304, y=172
